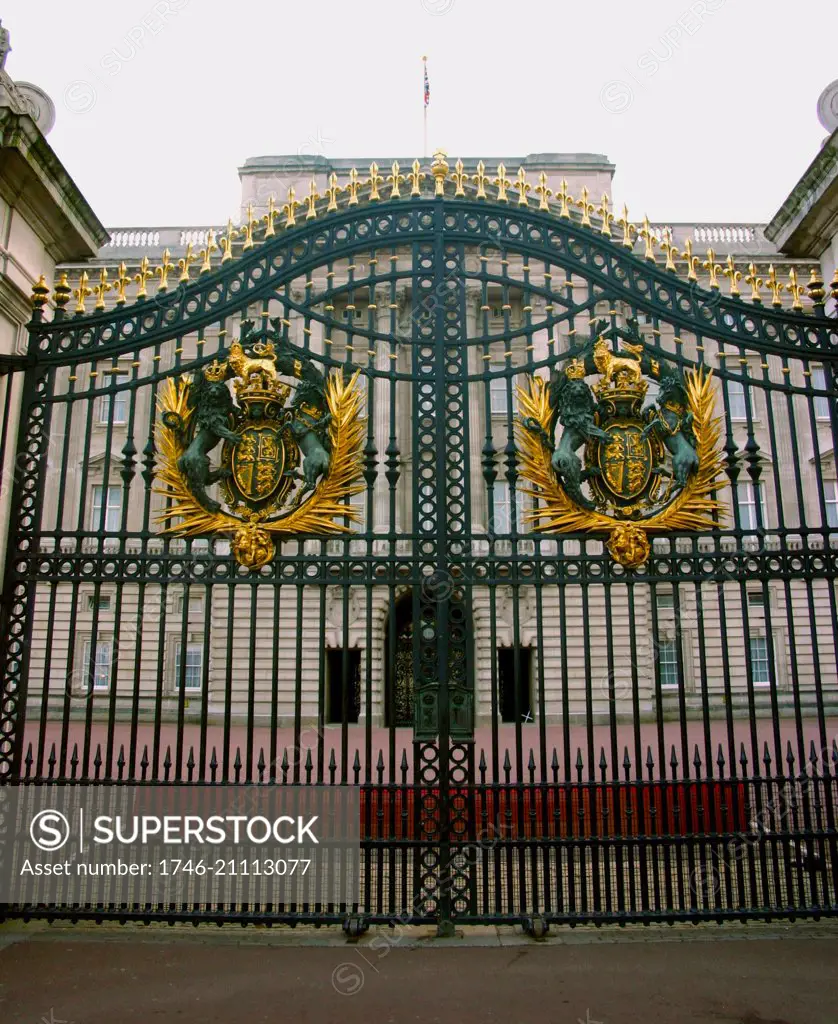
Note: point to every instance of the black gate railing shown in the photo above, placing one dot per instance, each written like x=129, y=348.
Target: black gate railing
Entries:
x=590, y=741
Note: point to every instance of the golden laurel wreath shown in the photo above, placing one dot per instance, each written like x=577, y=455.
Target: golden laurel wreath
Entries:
x=252, y=542
x=628, y=543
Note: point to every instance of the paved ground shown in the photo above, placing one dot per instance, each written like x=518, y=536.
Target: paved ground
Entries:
x=712, y=976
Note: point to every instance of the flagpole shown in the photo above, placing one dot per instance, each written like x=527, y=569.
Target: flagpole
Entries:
x=425, y=107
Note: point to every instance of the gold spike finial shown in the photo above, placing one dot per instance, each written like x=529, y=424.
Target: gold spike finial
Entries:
x=40, y=293
x=206, y=254
x=101, y=289
x=543, y=192
x=142, y=277
x=226, y=242
x=416, y=176
x=774, y=286
x=332, y=193
x=795, y=290
x=163, y=271
x=120, y=283
x=63, y=291
x=755, y=282
x=270, y=217
x=606, y=216
x=460, y=178
x=396, y=180
x=352, y=187
x=733, y=275
x=670, y=249
x=81, y=293
x=833, y=286
x=311, y=200
x=522, y=186
x=712, y=268
x=502, y=183
x=290, y=206
x=586, y=207
x=439, y=169
x=649, y=239
x=375, y=180
x=565, y=198
x=184, y=264
x=693, y=262
x=815, y=286
x=250, y=223
x=481, y=180
x=628, y=229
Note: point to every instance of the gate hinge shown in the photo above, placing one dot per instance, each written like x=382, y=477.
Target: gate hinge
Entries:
x=355, y=926
x=536, y=926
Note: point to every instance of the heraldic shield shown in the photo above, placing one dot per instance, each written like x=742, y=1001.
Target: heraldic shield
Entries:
x=287, y=467
x=647, y=468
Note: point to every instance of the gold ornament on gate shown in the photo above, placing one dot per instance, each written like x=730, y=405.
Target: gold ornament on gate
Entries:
x=646, y=470
x=286, y=468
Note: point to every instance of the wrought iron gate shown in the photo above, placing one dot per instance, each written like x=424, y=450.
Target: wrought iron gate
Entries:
x=592, y=740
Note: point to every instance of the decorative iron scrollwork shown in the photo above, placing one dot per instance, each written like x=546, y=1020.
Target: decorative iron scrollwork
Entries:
x=286, y=468
x=647, y=470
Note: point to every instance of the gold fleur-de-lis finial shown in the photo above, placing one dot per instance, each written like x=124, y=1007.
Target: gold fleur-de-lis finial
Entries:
x=206, y=254
x=481, y=180
x=376, y=179
x=332, y=193
x=502, y=183
x=605, y=215
x=226, y=242
x=352, y=187
x=439, y=170
x=733, y=275
x=120, y=283
x=163, y=271
x=522, y=186
x=184, y=263
x=628, y=229
x=142, y=277
x=565, y=198
x=649, y=239
x=459, y=177
x=795, y=289
x=543, y=192
x=395, y=180
x=311, y=200
x=101, y=288
x=755, y=282
x=668, y=248
x=290, y=206
x=712, y=268
x=250, y=223
x=82, y=292
x=270, y=217
x=416, y=176
x=586, y=207
x=774, y=286
x=693, y=262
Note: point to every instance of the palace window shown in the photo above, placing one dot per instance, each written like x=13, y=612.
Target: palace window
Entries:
x=498, y=396
x=514, y=688
x=112, y=511
x=760, y=664
x=737, y=405
x=746, y=500
x=821, y=402
x=830, y=497
x=343, y=683
x=501, y=521
x=118, y=400
x=667, y=646
x=100, y=676
x=101, y=603
x=193, y=674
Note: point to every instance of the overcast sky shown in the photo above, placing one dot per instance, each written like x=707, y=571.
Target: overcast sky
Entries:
x=707, y=107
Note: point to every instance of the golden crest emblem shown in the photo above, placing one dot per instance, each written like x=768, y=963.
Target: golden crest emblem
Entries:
x=646, y=469
x=287, y=467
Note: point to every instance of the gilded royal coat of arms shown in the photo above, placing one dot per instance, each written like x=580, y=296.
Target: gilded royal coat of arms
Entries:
x=286, y=467
x=643, y=468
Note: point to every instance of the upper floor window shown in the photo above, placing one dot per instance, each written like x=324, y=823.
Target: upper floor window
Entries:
x=830, y=497
x=760, y=661
x=746, y=500
x=117, y=401
x=821, y=402
x=498, y=395
x=736, y=400
x=112, y=511
x=99, y=678
x=193, y=670
x=501, y=521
